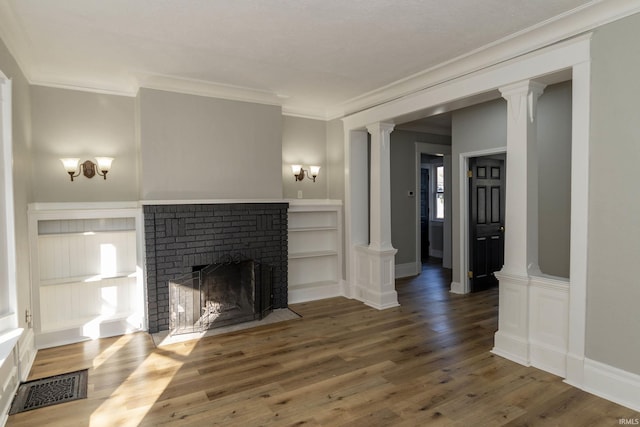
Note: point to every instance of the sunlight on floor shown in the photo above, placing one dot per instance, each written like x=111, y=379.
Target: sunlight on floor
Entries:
x=120, y=408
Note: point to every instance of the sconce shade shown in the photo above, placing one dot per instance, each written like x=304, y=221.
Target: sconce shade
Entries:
x=104, y=163
x=299, y=173
x=70, y=164
x=88, y=168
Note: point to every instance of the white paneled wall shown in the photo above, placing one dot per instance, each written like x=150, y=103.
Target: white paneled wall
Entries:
x=86, y=283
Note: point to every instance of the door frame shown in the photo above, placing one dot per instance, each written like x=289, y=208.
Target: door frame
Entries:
x=464, y=287
x=434, y=150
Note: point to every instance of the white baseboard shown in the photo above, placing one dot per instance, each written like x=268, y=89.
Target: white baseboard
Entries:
x=613, y=384
x=511, y=347
x=406, y=270
x=548, y=358
x=314, y=292
x=457, y=288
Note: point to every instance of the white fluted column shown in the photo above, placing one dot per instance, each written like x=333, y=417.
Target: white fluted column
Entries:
x=375, y=262
x=380, y=194
x=521, y=221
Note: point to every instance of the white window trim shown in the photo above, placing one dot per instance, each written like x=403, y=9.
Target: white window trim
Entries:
x=8, y=278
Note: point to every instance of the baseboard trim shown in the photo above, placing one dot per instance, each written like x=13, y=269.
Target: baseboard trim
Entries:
x=313, y=293
x=616, y=385
x=548, y=358
x=457, y=288
x=512, y=348
x=406, y=270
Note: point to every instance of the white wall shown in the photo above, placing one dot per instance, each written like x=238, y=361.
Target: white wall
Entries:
x=70, y=123
x=304, y=142
x=613, y=293
x=335, y=160
x=195, y=147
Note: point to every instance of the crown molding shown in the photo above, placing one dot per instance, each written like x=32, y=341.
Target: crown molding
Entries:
x=88, y=87
x=209, y=89
x=561, y=27
x=554, y=30
x=15, y=39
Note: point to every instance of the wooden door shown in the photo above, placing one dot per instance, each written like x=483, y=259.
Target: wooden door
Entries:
x=486, y=214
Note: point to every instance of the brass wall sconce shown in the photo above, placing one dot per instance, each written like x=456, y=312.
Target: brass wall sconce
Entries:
x=300, y=173
x=88, y=168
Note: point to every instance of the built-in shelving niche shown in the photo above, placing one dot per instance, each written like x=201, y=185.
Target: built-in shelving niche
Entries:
x=85, y=278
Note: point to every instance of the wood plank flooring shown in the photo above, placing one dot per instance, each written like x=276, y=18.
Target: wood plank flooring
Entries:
x=426, y=362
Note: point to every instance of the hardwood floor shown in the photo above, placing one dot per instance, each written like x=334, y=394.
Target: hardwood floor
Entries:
x=426, y=362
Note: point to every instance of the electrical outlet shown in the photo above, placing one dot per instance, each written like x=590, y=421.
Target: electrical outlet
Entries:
x=299, y=194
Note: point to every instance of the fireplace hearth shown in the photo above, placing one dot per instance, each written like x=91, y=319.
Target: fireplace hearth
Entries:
x=181, y=238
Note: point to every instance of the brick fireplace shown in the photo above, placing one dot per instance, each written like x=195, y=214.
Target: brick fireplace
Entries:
x=179, y=237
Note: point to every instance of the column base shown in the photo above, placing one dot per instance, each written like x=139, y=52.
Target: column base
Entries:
x=375, y=277
x=512, y=338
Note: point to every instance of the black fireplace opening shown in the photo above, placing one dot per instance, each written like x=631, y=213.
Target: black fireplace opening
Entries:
x=220, y=294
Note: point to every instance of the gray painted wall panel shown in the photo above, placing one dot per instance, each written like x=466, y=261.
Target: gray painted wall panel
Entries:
x=195, y=147
x=613, y=293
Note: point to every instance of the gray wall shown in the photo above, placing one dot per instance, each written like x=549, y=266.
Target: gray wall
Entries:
x=304, y=142
x=70, y=123
x=403, y=179
x=613, y=293
x=21, y=173
x=475, y=128
x=194, y=147
x=554, y=204
x=335, y=160
x=484, y=126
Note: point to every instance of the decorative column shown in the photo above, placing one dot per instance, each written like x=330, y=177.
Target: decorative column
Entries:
x=375, y=263
x=521, y=221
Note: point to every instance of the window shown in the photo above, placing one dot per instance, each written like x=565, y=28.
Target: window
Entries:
x=439, y=193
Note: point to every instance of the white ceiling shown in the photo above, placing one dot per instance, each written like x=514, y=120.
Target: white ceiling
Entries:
x=307, y=55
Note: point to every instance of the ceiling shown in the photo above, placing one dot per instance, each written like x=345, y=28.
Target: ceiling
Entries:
x=307, y=55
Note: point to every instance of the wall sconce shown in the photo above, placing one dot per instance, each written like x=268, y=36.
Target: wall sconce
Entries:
x=88, y=168
x=300, y=173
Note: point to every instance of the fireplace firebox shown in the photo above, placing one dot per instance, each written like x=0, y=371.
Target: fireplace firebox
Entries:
x=220, y=294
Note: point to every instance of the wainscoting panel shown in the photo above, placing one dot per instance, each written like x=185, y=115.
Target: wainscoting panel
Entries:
x=549, y=324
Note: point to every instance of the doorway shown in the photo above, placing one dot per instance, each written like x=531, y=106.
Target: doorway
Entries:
x=487, y=182
x=432, y=208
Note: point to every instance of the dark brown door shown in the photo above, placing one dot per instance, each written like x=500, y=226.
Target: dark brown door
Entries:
x=486, y=228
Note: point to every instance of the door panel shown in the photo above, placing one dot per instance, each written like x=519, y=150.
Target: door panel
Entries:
x=486, y=217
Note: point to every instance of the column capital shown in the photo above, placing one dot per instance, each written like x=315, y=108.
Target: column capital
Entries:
x=380, y=127
x=522, y=88
x=522, y=97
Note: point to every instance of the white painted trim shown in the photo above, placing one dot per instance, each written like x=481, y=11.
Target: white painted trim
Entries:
x=549, y=323
x=463, y=193
x=554, y=30
x=547, y=60
x=313, y=293
x=457, y=288
x=211, y=201
x=406, y=270
x=613, y=384
x=26, y=353
x=580, y=177
x=8, y=225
